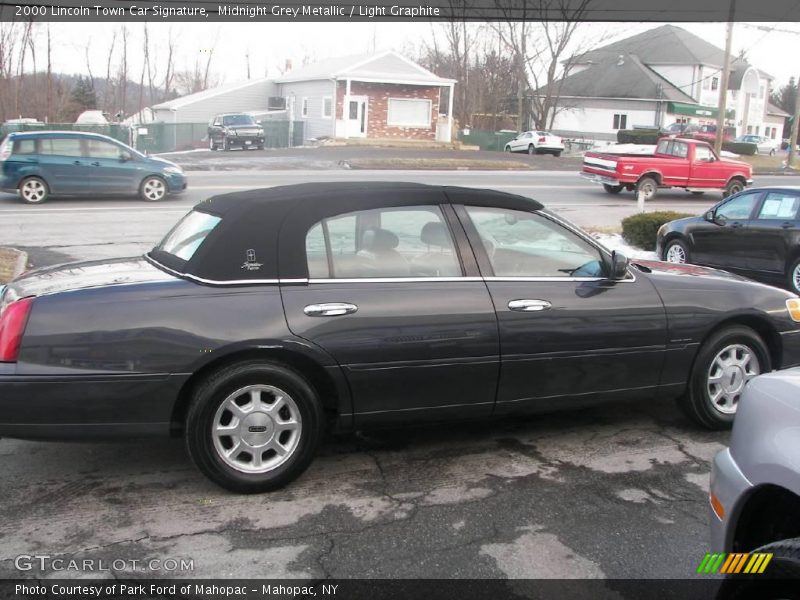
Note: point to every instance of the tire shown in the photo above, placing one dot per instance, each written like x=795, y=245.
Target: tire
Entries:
x=613, y=189
x=697, y=193
x=557, y=153
x=211, y=145
x=772, y=152
x=650, y=187
x=507, y=149
x=33, y=190
x=260, y=147
x=726, y=344
x=153, y=189
x=734, y=187
x=531, y=149
x=236, y=384
x=676, y=252
x=793, y=276
x=226, y=144
x=779, y=581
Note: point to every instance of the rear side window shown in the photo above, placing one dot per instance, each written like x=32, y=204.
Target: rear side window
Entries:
x=411, y=241
x=779, y=205
x=60, y=146
x=186, y=237
x=27, y=146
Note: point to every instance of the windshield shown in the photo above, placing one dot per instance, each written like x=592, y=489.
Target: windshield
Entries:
x=238, y=120
x=186, y=237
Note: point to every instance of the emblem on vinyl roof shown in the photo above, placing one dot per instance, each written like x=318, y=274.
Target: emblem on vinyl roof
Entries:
x=250, y=263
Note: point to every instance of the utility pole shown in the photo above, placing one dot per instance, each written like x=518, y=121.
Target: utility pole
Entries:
x=723, y=87
x=793, y=135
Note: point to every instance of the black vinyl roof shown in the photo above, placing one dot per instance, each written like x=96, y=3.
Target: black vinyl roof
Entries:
x=259, y=222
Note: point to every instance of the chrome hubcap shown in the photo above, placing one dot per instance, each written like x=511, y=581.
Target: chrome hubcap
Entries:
x=796, y=278
x=676, y=254
x=648, y=189
x=257, y=429
x=33, y=190
x=730, y=370
x=154, y=189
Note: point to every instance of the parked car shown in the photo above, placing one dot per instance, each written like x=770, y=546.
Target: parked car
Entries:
x=264, y=317
x=38, y=165
x=536, y=142
x=684, y=163
x=708, y=132
x=764, y=145
x=755, y=484
x=235, y=130
x=755, y=233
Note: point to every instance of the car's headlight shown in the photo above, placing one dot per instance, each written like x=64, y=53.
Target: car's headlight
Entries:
x=176, y=170
x=793, y=306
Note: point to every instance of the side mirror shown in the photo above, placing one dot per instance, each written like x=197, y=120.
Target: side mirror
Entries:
x=124, y=157
x=619, y=266
x=709, y=216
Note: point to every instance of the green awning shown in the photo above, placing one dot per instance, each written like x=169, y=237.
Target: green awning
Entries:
x=695, y=110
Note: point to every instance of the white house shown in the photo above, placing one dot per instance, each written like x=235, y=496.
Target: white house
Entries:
x=658, y=77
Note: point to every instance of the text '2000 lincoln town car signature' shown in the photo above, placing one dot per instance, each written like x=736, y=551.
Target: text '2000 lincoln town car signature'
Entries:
x=265, y=317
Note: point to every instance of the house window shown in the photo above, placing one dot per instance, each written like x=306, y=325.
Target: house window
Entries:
x=408, y=112
x=276, y=103
x=714, y=83
x=749, y=129
x=304, y=109
x=757, y=128
x=327, y=107
x=761, y=91
x=620, y=121
x=774, y=132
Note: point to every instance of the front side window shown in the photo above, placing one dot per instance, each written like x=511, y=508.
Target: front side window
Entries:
x=390, y=242
x=779, y=205
x=102, y=149
x=740, y=207
x=522, y=244
x=703, y=154
x=186, y=237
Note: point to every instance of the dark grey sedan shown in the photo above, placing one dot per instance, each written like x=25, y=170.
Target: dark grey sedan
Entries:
x=265, y=317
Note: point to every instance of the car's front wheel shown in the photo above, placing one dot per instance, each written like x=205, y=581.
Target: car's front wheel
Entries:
x=507, y=149
x=211, y=145
x=725, y=363
x=793, y=276
x=676, y=252
x=153, y=189
x=33, y=190
x=254, y=427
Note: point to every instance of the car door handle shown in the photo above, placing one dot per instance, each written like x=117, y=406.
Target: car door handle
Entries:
x=95, y=164
x=787, y=225
x=77, y=162
x=330, y=309
x=529, y=305
x=736, y=225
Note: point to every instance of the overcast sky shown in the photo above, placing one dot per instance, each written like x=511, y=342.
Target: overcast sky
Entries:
x=270, y=44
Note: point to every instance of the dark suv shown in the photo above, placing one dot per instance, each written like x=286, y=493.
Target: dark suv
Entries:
x=232, y=130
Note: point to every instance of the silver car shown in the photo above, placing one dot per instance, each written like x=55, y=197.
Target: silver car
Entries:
x=755, y=483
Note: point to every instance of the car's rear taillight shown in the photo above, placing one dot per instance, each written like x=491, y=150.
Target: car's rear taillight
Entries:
x=5, y=150
x=542, y=139
x=12, y=326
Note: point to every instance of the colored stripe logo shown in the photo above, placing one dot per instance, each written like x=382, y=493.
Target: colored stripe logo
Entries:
x=734, y=563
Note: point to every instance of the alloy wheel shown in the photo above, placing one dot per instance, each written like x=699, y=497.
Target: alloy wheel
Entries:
x=154, y=189
x=676, y=254
x=33, y=191
x=796, y=277
x=256, y=429
x=731, y=369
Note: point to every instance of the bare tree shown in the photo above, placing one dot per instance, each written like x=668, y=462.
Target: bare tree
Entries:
x=109, y=93
x=169, y=76
x=123, y=70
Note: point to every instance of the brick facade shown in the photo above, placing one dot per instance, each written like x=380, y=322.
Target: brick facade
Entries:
x=378, y=106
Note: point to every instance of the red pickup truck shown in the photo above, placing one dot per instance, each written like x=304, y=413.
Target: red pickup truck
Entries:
x=677, y=162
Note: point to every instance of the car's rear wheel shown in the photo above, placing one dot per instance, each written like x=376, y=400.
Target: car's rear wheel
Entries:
x=557, y=153
x=778, y=581
x=613, y=189
x=33, y=190
x=254, y=427
x=211, y=145
x=725, y=363
x=153, y=189
x=734, y=187
x=647, y=186
x=676, y=252
x=531, y=149
x=793, y=276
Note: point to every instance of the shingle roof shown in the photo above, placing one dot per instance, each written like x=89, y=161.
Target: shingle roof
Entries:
x=383, y=65
x=776, y=110
x=664, y=45
x=610, y=79
x=209, y=93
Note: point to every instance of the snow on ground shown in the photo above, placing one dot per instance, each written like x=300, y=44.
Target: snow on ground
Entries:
x=614, y=241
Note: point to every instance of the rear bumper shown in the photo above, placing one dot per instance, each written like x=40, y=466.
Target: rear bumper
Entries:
x=601, y=179
x=59, y=407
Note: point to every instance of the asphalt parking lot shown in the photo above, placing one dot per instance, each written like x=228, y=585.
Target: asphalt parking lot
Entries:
x=583, y=494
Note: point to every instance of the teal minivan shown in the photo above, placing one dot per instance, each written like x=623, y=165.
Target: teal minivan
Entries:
x=37, y=165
